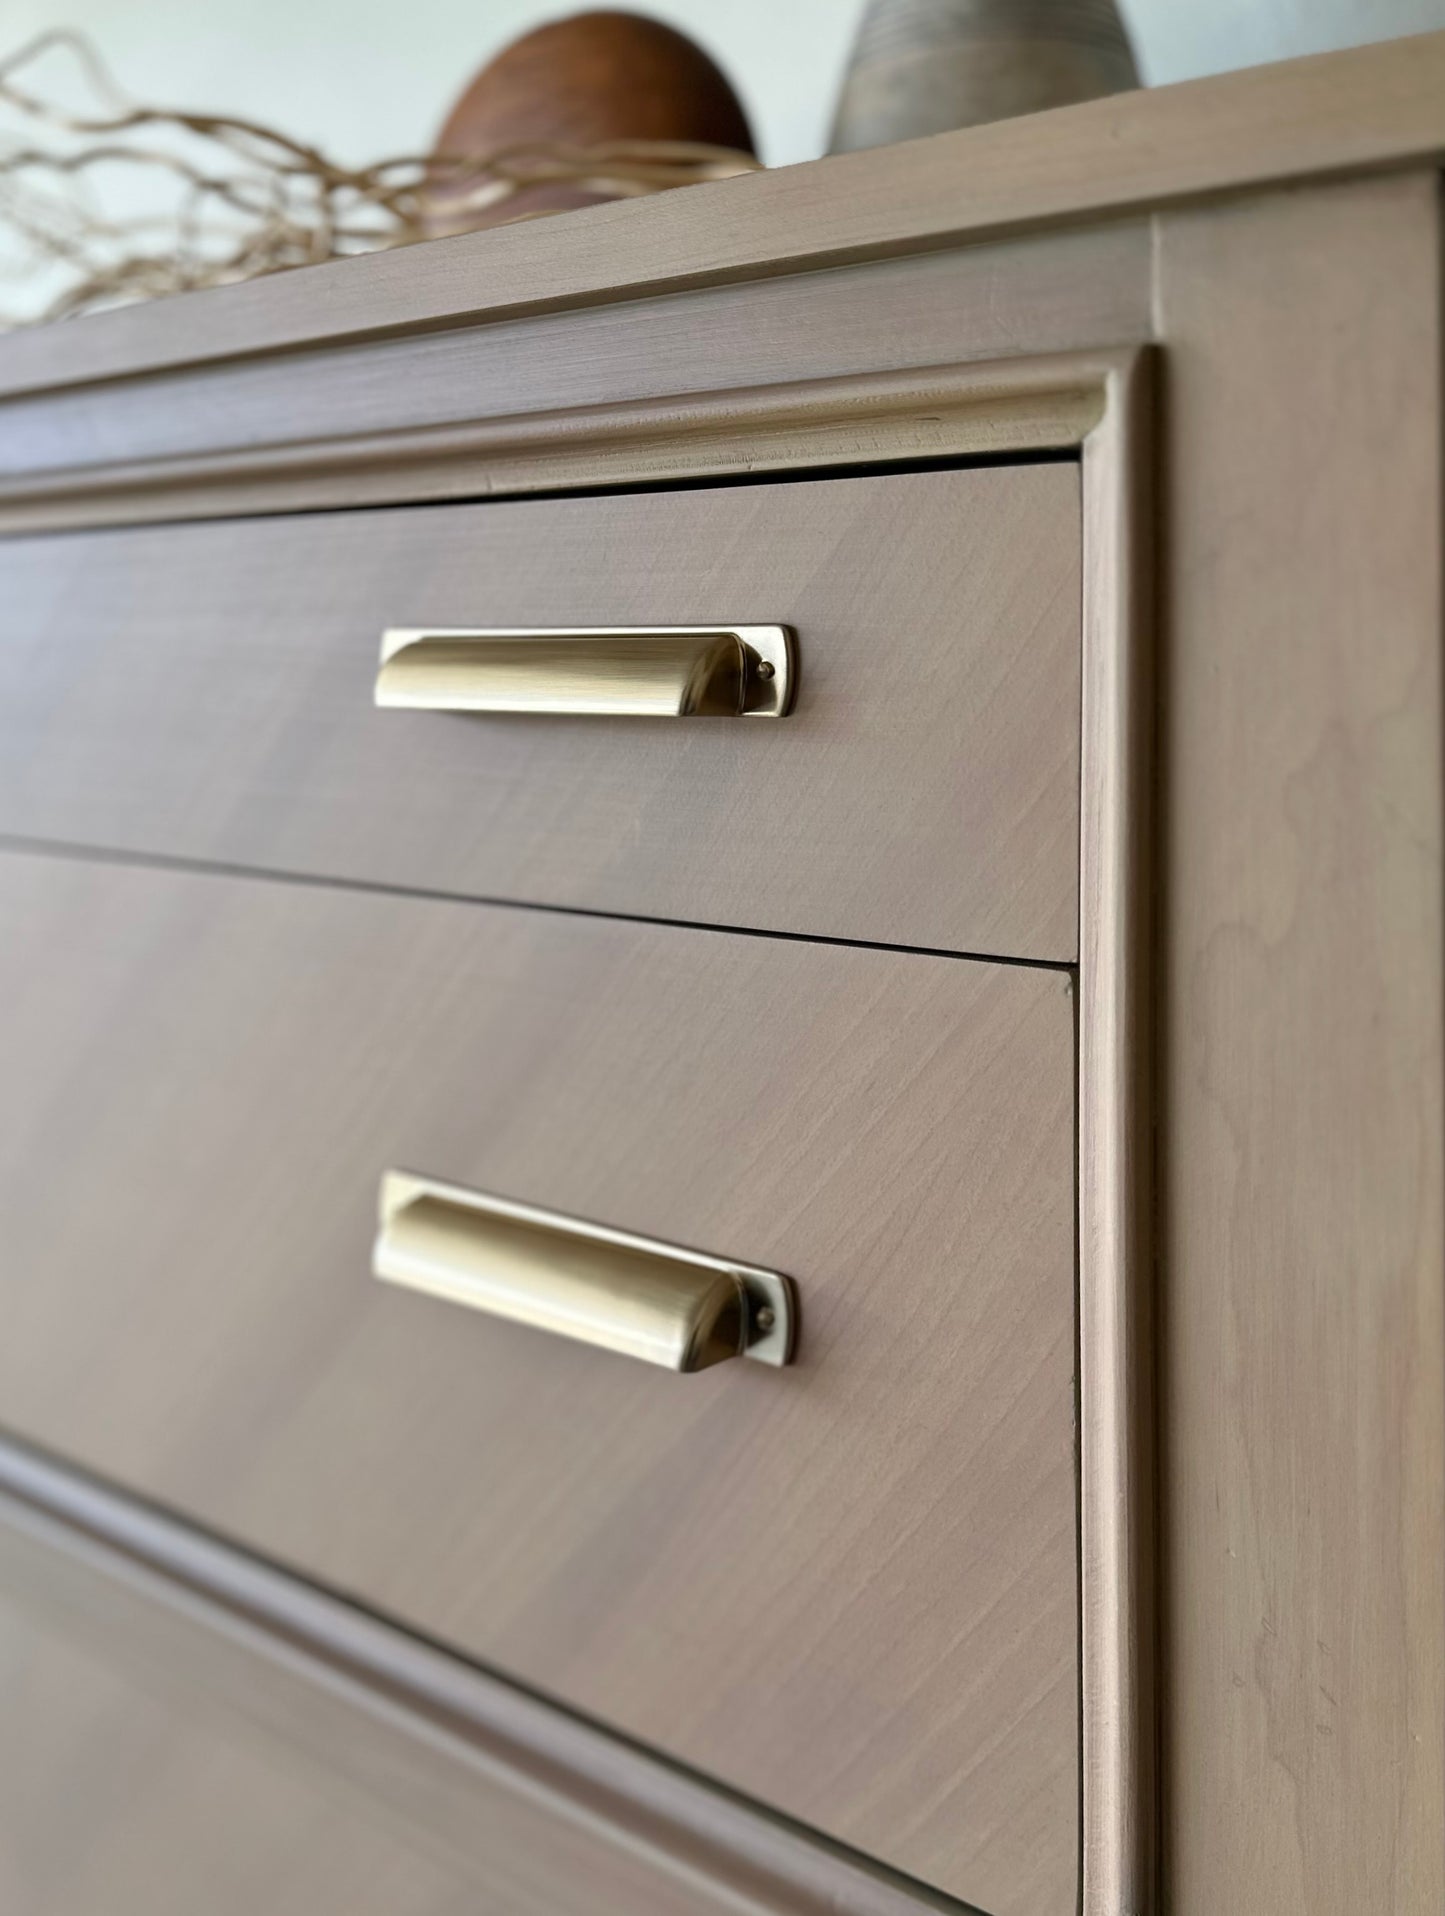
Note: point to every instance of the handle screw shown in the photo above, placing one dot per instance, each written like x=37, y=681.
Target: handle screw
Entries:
x=766, y=1318
x=766, y=668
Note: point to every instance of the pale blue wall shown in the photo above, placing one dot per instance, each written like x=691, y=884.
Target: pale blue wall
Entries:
x=370, y=76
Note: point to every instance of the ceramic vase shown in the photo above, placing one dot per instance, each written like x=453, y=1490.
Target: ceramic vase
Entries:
x=924, y=66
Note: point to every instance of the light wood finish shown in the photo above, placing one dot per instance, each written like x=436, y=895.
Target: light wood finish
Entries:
x=848, y=1588
x=206, y=693
x=112, y=1804
x=1377, y=107
x=1028, y=404
x=1303, y=1346
x=1276, y=926
x=1116, y=1145
x=187, y=1729
x=598, y=395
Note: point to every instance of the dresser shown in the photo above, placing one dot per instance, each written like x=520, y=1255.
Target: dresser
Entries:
x=720, y=1005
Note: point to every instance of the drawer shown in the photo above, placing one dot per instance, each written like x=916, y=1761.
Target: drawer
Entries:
x=120, y=1797
x=846, y=1588
x=206, y=692
x=163, y=1755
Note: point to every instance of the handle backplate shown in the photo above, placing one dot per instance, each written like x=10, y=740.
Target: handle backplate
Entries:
x=660, y=671
x=677, y=1308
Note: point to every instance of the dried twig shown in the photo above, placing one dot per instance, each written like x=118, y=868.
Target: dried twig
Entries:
x=244, y=199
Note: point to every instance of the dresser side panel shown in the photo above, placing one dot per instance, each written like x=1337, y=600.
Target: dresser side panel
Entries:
x=1302, y=1347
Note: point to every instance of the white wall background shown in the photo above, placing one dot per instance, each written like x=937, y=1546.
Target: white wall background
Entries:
x=363, y=78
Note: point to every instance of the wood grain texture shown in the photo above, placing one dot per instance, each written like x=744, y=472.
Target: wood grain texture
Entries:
x=206, y=693
x=737, y=378
x=1032, y=404
x=186, y=1728
x=589, y=79
x=848, y=1589
x=1376, y=107
x=1303, y=1348
x=1117, y=1262
x=114, y=1804
x=1072, y=290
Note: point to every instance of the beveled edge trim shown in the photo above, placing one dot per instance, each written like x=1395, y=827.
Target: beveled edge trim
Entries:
x=1039, y=403
x=1120, y=1707
x=102, y=1547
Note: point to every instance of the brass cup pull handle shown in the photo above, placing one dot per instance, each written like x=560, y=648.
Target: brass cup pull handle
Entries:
x=662, y=671
x=667, y=1306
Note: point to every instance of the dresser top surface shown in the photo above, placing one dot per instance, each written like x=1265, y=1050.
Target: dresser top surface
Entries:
x=1329, y=115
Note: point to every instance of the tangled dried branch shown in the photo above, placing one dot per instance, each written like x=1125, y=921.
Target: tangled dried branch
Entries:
x=214, y=199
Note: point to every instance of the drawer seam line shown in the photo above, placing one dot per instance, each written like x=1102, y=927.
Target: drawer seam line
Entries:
x=19, y=845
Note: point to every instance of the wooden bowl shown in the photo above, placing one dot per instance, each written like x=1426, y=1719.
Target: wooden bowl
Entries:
x=584, y=81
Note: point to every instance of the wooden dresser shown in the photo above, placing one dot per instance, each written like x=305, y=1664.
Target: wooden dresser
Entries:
x=842, y=769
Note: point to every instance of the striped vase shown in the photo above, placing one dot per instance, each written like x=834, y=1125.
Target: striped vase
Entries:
x=923, y=66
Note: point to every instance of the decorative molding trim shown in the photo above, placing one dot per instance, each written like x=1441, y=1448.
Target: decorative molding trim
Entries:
x=1116, y=1173
x=1050, y=402
x=185, y=1613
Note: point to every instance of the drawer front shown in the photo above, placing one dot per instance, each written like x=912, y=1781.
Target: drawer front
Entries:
x=847, y=1588
x=119, y=1798
x=206, y=692
x=185, y=1729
